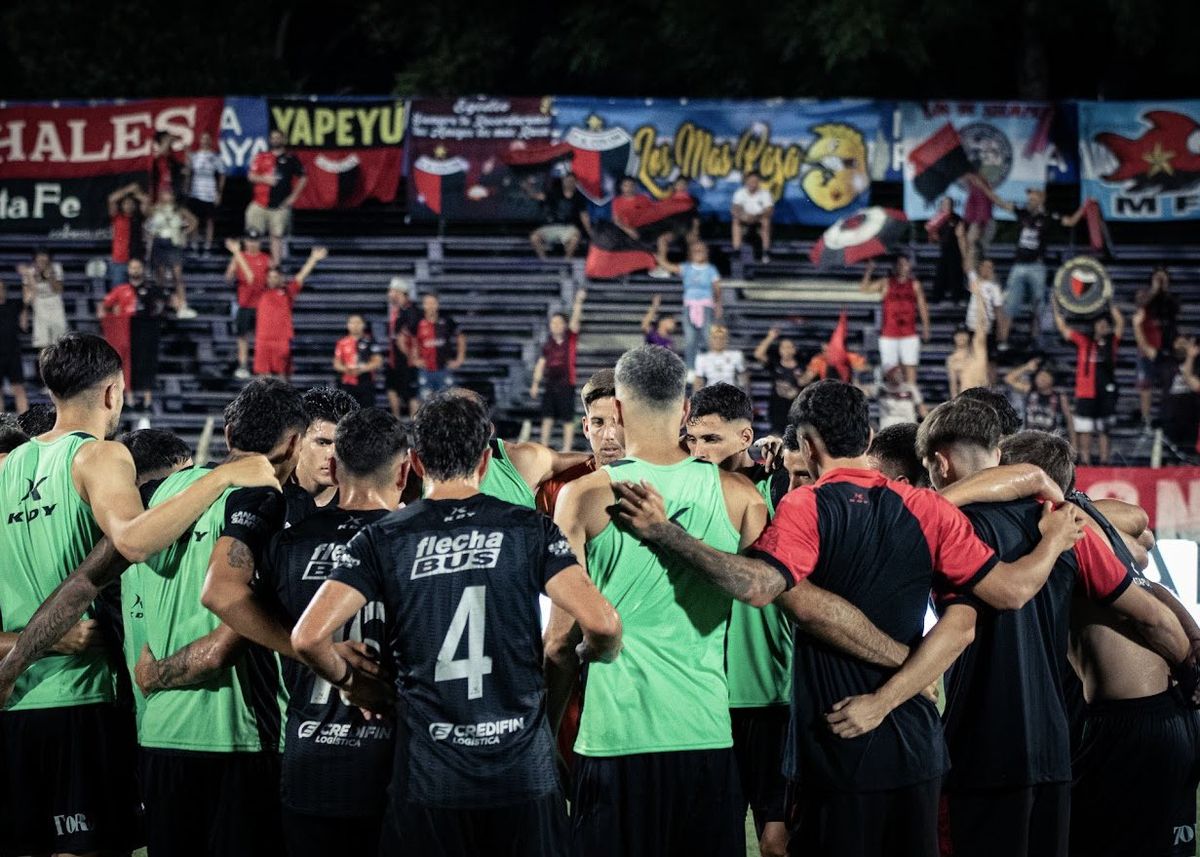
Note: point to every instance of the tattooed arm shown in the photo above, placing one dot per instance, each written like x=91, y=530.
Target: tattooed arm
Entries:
x=60, y=612
x=228, y=594
x=194, y=664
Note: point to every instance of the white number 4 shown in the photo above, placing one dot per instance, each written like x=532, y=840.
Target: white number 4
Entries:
x=471, y=618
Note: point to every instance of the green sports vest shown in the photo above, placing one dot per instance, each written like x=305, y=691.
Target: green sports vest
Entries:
x=47, y=532
x=667, y=690
x=502, y=480
x=759, y=652
x=218, y=716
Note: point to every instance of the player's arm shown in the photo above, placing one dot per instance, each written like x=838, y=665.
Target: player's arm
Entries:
x=537, y=463
x=83, y=635
x=1012, y=585
x=1126, y=517
x=1003, y=484
x=193, y=664
x=954, y=631
x=573, y=591
x=106, y=478
x=835, y=621
x=1186, y=621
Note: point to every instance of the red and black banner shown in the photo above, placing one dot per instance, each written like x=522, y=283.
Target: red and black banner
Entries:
x=938, y=162
x=613, y=253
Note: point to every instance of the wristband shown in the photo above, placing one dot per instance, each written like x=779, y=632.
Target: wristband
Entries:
x=341, y=683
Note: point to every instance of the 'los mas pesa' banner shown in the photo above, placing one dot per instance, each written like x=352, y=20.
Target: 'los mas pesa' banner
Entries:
x=59, y=163
x=1010, y=145
x=817, y=158
x=1170, y=495
x=1141, y=159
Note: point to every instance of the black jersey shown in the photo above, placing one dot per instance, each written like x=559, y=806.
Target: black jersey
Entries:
x=459, y=581
x=300, y=504
x=334, y=762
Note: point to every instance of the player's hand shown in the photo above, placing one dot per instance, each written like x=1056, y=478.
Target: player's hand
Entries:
x=587, y=654
x=856, y=715
x=144, y=673
x=249, y=471
x=374, y=698
x=362, y=658
x=85, y=635
x=1187, y=674
x=774, y=842
x=233, y=245
x=771, y=448
x=1062, y=526
x=931, y=693
x=639, y=508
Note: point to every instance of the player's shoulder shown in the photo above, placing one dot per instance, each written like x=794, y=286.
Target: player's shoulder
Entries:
x=736, y=485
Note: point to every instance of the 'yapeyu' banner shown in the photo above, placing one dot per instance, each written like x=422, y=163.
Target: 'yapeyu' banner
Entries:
x=59, y=163
x=1170, y=495
x=351, y=148
x=1141, y=159
x=817, y=158
x=481, y=157
x=1009, y=144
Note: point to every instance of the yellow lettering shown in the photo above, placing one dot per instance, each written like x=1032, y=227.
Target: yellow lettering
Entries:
x=345, y=129
x=281, y=117
x=366, y=125
x=302, y=132
x=324, y=121
x=654, y=160
x=391, y=126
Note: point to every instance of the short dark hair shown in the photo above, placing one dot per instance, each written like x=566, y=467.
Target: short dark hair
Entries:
x=328, y=404
x=1010, y=420
x=450, y=434
x=897, y=445
x=77, y=362
x=602, y=385
x=725, y=400
x=368, y=440
x=791, y=440
x=155, y=449
x=964, y=420
x=10, y=438
x=838, y=413
x=39, y=418
x=652, y=375
x=1048, y=451
x=262, y=413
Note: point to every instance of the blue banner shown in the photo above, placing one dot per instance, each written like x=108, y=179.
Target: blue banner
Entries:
x=1011, y=144
x=817, y=158
x=244, y=126
x=1141, y=159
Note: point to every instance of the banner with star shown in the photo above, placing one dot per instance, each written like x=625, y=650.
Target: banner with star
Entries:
x=817, y=158
x=1141, y=159
x=481, y=157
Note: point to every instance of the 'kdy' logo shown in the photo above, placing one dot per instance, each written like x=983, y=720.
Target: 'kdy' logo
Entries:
x=33, y=493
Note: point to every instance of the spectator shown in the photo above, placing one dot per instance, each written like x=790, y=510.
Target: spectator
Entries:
x=778, y=357
x=969, y=364
x=205, y=178
x=659, y=329
x=1153, y=326
x=977, y=215
x=823, y=366
x=681, y=189
x=357, y=360
x=1179, y=415
x=439, y=348
x=903, y=300
x=11, y=367
x=1046, y=408
x=720, y=364
x=557, y=367
x=701, y=299
x=134, y=311
x=166, y=167
x=278, y=179
x=42, y=287
x=627, y=207
x=565, y=218
x=1027, y=277
x=249, y=266
x=170, y=225
x=1095, y=379
x=115, y=313
x=899, y=401
x=752, y=207
x=399, y=377
x=273, y=323
x=127, y=208
x=948, y=231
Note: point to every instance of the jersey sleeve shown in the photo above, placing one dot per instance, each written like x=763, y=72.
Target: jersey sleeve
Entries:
x=960, y=558
x=557, y=553
x=252, y=516
x=791, y=542
x=359, y=566
x=1102, y=577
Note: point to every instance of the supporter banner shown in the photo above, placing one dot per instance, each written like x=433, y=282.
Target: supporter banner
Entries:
x=244, y=128
x=817, y=158
x=1170, y=495
x=1141, y=159
x=1010, y=144
x=59, y=163
x=351, y=148
x=480, y=157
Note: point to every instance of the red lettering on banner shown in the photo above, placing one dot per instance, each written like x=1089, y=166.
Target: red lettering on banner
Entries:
x=1170, y=495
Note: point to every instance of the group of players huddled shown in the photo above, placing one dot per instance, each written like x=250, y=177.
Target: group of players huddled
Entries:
x=276, y=655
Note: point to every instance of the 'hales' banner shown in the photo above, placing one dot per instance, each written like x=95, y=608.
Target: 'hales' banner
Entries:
x=351, y=148
x=1141, y=159
x=59, y=163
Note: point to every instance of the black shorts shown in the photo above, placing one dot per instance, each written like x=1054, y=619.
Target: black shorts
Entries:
x=652, y=804
x=401, y=380
x=1026, y=821
x=558, y=402
x=325, y=835
x=244, y=321
x=208, y=804
x=536, y=828
x=895, y=823
x=203, y=210
x=363, y=392
x=1136, y=774
x=12, y=369
x=1098, y=408
x=67, y=781
x=758, y=738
